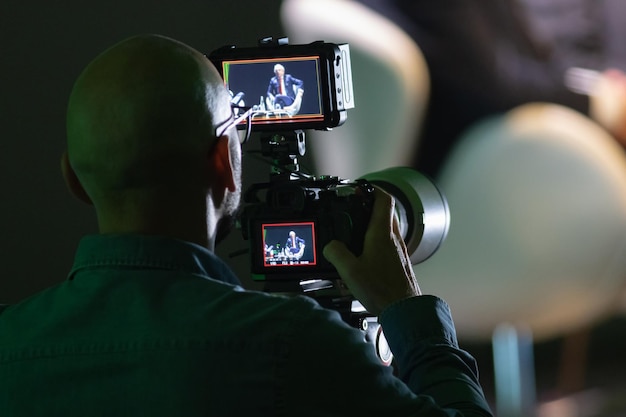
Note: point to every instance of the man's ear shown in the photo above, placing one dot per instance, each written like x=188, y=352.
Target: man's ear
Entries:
x=220, y=165
x=72, y=182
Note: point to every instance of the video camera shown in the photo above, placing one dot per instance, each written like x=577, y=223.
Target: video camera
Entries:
x=290, y=218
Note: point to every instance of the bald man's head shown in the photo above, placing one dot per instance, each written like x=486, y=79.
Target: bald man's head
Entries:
x=141, y=141
x=142, y=116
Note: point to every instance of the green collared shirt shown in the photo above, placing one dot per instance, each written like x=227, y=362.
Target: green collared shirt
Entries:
x=151, y=326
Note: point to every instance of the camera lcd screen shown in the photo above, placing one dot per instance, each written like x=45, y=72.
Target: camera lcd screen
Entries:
x=281, y=90
x=289, y=244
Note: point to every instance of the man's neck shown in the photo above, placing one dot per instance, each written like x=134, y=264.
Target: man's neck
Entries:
x=179, y=221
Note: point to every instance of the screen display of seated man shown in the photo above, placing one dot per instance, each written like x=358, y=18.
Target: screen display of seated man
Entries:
x=278, y=88
x=289, y=244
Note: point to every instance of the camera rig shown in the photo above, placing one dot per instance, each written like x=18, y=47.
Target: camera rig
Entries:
x=291, y=217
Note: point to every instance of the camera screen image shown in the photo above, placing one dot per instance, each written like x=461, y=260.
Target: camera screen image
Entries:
x=289, y=244
x=281, y=90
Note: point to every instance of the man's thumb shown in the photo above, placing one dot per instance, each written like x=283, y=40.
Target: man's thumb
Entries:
x=337, y=253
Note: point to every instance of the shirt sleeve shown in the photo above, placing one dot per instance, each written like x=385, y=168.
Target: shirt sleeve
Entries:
x=297, y=82
x=328, y=366
x=271, y=88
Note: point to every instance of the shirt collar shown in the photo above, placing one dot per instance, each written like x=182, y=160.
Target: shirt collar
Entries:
x=149, y=252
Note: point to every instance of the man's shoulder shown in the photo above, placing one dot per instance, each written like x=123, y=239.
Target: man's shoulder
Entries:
x=256, y=312
x=274, y=302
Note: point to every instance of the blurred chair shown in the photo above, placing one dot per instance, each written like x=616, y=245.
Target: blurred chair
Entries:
x=390, y=80
x=537, y=196
x=538, y=238
x=538, y=199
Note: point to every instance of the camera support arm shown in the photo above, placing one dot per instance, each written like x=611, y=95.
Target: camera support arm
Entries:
x=283, y=148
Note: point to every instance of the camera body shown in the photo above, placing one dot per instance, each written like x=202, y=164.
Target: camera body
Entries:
x=290, y=221
x=314, y=90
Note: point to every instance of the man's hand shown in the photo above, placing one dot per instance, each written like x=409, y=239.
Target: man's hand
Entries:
x=383, y=273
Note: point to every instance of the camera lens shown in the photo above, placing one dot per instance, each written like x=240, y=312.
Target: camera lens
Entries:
x=422, y=210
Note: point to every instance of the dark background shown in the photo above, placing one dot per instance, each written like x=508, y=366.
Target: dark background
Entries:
x=46, y=44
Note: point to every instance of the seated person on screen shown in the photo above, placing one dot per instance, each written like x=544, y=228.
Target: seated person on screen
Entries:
x=294, y=248
x=284, y=92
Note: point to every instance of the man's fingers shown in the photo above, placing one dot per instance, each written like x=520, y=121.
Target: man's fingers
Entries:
x=383, y=209
x=339, y=255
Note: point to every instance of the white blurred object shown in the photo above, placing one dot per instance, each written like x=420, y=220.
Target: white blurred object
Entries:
x=581, y=80
x=390, y=80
